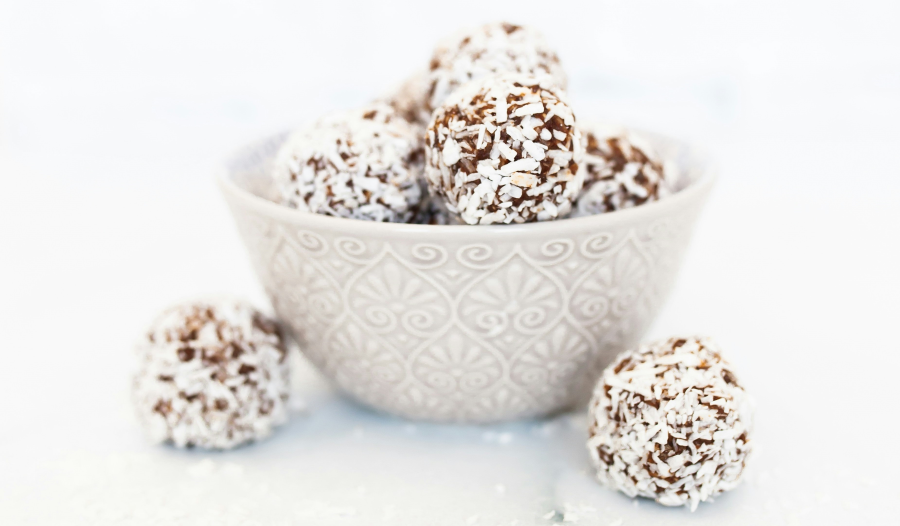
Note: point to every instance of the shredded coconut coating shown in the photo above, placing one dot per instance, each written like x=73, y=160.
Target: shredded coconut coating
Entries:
x=483, y=51
x=505, y=149
x=360, y=164
x=212, y=375
x=670, y=422
x=621, y=171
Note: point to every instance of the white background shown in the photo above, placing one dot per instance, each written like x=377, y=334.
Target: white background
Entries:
x=114, y=114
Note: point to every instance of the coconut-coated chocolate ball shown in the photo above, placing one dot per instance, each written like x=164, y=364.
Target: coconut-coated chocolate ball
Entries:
x=622, y=170
x=410, y=100
x=475, y=53
x=212, y=374
x=505, y=149
x=670, y=422
x=360, y=164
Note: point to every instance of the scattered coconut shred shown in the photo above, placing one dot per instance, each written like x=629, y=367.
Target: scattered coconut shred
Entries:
x=670, y=423
x=211, y=374
x=505, y=149
x=360, y=164
x=622, y=171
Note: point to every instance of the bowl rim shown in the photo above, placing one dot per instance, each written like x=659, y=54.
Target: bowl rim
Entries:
x=695, y=189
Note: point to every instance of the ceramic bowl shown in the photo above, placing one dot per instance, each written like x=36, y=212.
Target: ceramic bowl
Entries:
x=464, y=323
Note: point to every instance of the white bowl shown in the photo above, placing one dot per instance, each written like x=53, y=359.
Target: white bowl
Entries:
x=464, y=323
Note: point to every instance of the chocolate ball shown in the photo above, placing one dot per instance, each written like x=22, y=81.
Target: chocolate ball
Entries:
x=360, y=164
x=505, y=149
x=483, y=51
x=621, y=171
x=410, y=100
x=212, y=375
x=670, y=422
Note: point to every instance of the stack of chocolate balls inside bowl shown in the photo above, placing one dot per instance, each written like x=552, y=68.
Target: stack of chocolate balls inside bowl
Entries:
x=485, y=136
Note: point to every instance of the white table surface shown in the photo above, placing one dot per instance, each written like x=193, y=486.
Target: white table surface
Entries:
x=108, y=213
